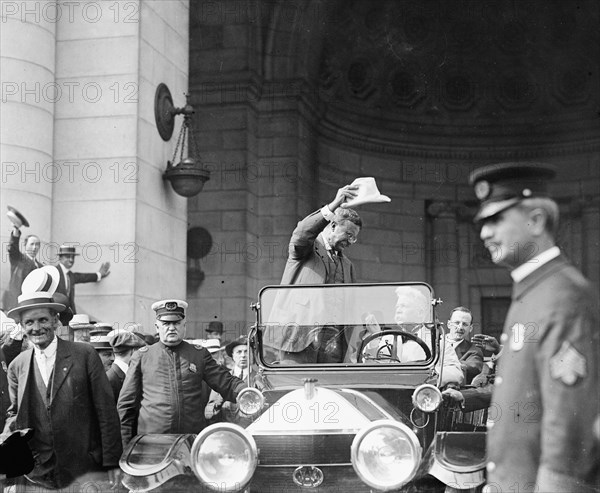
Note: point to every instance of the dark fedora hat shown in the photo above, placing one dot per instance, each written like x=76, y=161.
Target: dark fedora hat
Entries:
x=241, y=341
x=215, y=326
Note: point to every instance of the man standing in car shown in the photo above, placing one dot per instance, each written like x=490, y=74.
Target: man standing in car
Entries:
x=547, y=386
x=316, y=256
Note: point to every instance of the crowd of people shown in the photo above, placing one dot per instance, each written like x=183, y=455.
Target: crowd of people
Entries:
x=84, y=411
x=175, y=386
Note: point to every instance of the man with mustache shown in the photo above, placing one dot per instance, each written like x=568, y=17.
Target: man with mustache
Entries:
x=162, y=391
x=316, y=256
x=547, y=385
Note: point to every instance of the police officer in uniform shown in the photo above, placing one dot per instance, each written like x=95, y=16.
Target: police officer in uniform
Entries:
x=546, y=391
x=162, y=392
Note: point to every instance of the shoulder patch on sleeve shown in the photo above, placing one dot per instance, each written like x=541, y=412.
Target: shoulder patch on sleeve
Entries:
x=198, y=347
x=143, y=349
x=568, y=365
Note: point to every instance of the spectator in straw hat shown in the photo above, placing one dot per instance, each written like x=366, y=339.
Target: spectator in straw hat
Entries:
x=68, y=279
x=102, y=346
x=79, y=326
x=60, y=389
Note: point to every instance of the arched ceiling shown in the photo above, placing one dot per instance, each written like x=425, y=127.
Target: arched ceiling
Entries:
x=520, y=73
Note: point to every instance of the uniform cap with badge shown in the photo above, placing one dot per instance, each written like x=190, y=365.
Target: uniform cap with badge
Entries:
x=170, y=310
x=499, y=187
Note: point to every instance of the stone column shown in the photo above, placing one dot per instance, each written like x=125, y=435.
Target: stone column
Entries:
x=111, y=200
x=27, y=65
x=444, y=253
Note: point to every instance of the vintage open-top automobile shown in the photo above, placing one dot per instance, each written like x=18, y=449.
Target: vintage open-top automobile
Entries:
x=345, y=398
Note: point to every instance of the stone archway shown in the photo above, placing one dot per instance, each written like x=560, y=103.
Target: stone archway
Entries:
x=295, y=99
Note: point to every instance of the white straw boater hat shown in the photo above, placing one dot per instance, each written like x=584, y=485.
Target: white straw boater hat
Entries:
x=38, y=290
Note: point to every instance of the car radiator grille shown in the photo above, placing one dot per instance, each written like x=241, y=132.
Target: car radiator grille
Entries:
x=303, y=449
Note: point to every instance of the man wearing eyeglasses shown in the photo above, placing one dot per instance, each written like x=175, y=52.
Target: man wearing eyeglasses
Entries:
x=316, y=250
x=316, y=256
x=470, y=356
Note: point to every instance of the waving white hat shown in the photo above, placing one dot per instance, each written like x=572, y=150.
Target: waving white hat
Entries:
x=368, y=193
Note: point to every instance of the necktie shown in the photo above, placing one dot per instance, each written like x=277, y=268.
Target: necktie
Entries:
x=45, y=370
x=338, y=274
x=69, y=281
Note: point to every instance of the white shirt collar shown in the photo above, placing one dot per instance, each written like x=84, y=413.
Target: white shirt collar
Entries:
x=452, y=341
x=121, y=364
x=64, y=269
x=50, y=351
x=533, y=264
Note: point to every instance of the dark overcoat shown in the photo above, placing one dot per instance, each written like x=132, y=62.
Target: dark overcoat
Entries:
x=83, y=415
x=546, y=395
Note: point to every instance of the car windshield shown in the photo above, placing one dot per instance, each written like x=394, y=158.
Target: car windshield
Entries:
x=349, y=323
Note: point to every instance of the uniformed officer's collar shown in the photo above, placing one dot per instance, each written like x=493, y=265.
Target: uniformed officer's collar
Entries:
x=171, y=347
x=533, y=264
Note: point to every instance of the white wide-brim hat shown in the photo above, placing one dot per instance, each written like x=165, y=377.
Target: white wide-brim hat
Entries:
x=368, y=193
x=38, y=288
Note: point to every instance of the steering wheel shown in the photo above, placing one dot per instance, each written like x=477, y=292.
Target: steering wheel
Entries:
x=395, y=333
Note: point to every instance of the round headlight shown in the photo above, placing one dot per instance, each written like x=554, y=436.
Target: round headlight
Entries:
x=386, y=455
x=250, y=401
x=427, y=398
x=224, y=457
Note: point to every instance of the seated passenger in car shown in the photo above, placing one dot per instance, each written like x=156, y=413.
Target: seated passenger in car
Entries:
x=411, y=312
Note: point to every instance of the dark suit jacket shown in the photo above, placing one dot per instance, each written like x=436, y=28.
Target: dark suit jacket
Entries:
x=20, y=266
x=8, y=351
x=83, y=415
x=308, y=261
x=78, y=278
x=471, y=356
x=116, y=377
